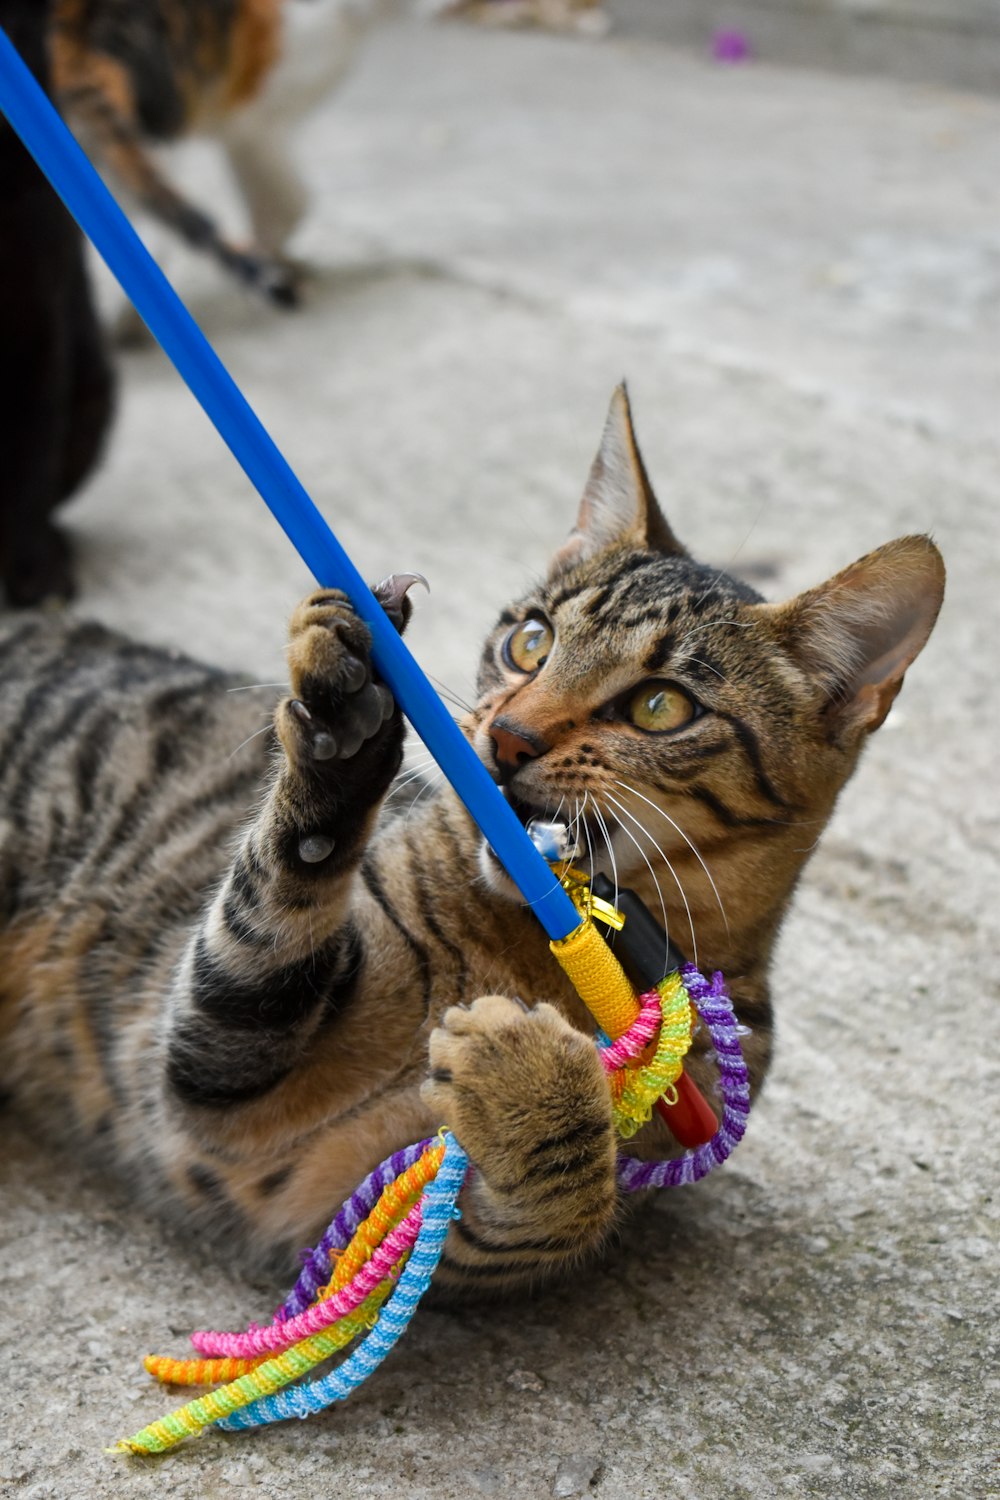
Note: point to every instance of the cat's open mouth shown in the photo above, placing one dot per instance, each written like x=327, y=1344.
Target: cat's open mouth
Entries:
x=524, y=810
x=555, y=834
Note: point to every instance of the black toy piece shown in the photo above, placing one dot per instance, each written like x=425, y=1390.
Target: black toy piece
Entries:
x=641, y=946
x=642, y=949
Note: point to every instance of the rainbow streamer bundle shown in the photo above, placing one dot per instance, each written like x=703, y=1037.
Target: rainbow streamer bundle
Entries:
x=362, y=1282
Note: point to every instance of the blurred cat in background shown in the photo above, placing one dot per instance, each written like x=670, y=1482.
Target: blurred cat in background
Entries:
x=131, y=75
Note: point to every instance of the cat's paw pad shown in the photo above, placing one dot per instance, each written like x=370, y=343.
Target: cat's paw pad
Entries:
x=337, y=705
x=359, y=718
x=522, y=1090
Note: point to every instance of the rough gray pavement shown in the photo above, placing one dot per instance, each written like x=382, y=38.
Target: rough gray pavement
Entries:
x=800, y=275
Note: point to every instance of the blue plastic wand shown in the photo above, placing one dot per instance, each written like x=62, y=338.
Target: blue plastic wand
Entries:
x=57, y=153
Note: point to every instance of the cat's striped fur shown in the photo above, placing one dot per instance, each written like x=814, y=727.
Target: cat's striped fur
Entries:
x=246, y=1016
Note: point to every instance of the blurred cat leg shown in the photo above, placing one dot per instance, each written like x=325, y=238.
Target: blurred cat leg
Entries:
x=35, y=560
x=272, y=187
x=37, y=246
x=91, y=381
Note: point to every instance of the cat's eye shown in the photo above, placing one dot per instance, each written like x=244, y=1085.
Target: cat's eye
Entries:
x=660, y=707
x=528, y=645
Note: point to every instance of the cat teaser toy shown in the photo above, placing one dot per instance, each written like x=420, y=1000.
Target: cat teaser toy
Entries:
x=362, y=1282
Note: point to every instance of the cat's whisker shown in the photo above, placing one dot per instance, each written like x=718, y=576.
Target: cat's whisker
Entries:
x=250, y=687
x=450, y=694
x=718, y=625
x=573, y=833
x=656, y=885
x=708, y=666
x=691, y=845
x=411, y=773
x=419, y=767
x=419, y=775
x=424, y=791
x=611, y=851
x=683, y=895
x=256, y=735
x=421, y=757
x=586, y=833
x=723, y=571
x=571, y=827
x=423, y=772
x=809, y=847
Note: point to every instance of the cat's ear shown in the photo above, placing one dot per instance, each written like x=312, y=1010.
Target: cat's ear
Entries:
x=858, y=633
x=618, y=506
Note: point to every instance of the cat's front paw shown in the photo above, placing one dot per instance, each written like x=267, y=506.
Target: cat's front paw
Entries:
x=524, y=1093
x=337, y=705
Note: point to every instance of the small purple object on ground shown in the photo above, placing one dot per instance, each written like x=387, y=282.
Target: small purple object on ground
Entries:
x=731, y=47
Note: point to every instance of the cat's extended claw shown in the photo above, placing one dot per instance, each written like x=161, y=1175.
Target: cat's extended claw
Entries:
x=391, y=594
x=321, y=741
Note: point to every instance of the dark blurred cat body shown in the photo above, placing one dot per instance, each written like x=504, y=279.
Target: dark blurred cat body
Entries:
x=54, y=371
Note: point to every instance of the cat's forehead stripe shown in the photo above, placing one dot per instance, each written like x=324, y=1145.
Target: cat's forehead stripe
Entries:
x=643, y=583
x=605, y=580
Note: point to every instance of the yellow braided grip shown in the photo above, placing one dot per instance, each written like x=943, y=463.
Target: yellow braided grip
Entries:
x=604, y=988
x=597, y=977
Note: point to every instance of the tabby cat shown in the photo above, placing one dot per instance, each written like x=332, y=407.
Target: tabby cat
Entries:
x=249, y=977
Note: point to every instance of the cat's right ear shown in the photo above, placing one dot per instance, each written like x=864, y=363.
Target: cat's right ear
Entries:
x=618, y=506
x=857, y=634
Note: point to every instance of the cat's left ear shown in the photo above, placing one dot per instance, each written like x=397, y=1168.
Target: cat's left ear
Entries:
x=618, y=506
x=858, y=633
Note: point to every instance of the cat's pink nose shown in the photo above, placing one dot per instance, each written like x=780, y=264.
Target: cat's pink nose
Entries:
x=512, y=745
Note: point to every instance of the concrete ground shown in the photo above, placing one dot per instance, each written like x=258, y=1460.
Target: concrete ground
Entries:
x=800, y=275
x=954, y=42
